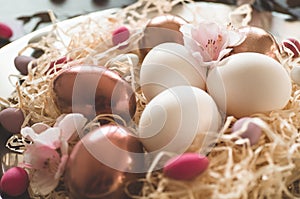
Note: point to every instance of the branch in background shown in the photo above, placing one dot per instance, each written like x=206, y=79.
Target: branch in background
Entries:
x=43, y=18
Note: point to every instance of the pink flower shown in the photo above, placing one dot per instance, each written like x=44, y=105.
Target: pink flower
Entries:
x=48, y=154
x=209, y=42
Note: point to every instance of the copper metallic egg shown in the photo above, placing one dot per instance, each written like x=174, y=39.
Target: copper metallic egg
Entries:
x=93, y=90
x=161, y=29
x=102, y=162
x=257, y=40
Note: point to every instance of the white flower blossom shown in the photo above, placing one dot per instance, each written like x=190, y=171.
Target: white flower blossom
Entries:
x=209, y=42
x=48, y=154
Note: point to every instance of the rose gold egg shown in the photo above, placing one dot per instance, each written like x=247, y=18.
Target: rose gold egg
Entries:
x=102, y=162
x=257, y=40
x=93, y=90
x=161, y=29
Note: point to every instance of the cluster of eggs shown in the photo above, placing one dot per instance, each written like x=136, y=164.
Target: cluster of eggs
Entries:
x=250, y=80
x=184, y=102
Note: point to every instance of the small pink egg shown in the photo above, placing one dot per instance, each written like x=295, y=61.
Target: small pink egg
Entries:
x=120, y=35
x=293, y=45
x=14, y=181
x=253, y=132
x=12, y=119
x=61, y=60
x=186, y=166
x=296, y=42
x=5, y=31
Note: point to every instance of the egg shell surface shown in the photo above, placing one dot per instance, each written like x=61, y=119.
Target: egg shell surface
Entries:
x=14, y=181
x=93, y=90
x=168, y=65
x=173, y=118
x=102, y=162
x=12, y=119
x=247, y=83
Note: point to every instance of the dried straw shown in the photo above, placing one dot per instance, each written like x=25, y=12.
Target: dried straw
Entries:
x=268, y=169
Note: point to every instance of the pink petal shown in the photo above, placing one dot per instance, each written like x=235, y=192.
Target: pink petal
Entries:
x=209, y=31
x=41, y=157
x=64, y=148
x=208, y=41
x=45, y=161
x=61, y=166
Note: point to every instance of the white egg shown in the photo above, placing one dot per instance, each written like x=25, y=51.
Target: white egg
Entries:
x=168, y=65
x=173, y=118
x=249, y=83
x=295, y=74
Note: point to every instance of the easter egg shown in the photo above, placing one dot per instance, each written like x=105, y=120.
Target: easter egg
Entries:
x=173, y=118
x=295, y=74
x=93, y=90
x=21, y=63
x=120, y=35
x=252, y=131
x=161, y=29
x=257, y=40
x=293, y=45
x=14, y=181
x=168, y=65
x=249, y=83
x=5, y=31
x=12, y=119
x=102, y=162
x=186, y=166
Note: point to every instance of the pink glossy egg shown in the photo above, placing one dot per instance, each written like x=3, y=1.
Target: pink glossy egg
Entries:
x=120, y=35
x=293, y=45
x=253, y=132
x=186, y=166
x=5, y=31
x=14, y=181
x=62, y=60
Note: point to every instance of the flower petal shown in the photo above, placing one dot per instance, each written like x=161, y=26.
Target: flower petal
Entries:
x=41, y=157
x=61, y=166
x=43, y=182
x=208, y=41
x=50, y=137
x=28, y=133
x=44, y=163
x=235, y=38
x=223, y=53
x=71, y=124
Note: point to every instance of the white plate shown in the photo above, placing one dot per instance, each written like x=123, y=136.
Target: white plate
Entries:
x=210, y=11
x=10, y=51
